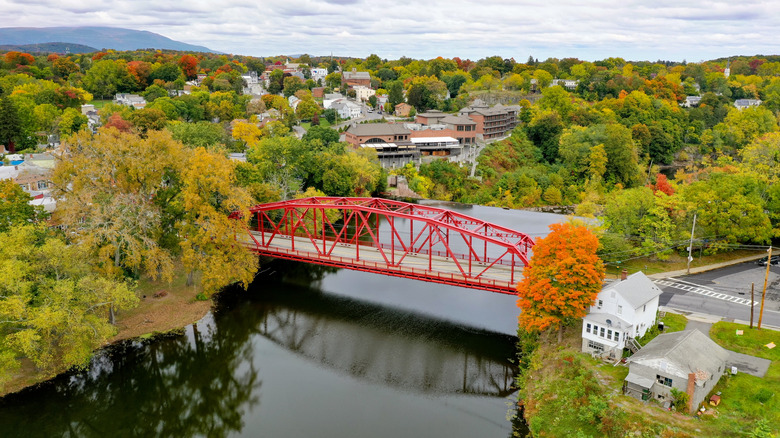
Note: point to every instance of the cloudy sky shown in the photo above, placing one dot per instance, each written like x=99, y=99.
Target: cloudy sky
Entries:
x=593, y=29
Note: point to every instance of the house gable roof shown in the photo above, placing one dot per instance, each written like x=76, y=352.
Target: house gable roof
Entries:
x=681, y=353
x=637, y=289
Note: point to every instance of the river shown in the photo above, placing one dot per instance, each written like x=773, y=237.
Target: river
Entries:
x=306, y=351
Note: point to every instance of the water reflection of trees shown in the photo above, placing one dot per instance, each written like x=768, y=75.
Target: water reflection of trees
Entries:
x=200, y=384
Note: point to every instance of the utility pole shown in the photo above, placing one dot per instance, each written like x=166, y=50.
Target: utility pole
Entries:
x=690, y=246
x=763, y=294
x=752, y=303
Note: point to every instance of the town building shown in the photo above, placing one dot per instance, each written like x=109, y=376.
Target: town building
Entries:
x=356, y=78
x=494, y=122
x=346, y=109
x=402, y=109
x=438, y=124
x=397, y=144
x=690, y=101
x=132, y=100
x=363, y=93
x=623, y=310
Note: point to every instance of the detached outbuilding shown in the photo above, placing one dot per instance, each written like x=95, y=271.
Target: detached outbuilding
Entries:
x=688, y=360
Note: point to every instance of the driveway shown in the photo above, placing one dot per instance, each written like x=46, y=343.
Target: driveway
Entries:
x=752, y=365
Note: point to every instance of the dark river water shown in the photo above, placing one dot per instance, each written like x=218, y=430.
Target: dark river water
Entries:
x=307, y=351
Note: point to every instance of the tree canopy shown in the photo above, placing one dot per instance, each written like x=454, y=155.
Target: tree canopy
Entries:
x=562, y=279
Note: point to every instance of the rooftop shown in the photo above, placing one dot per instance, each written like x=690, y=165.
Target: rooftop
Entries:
x=682, y=353
x=637, y=289
x=378, y=129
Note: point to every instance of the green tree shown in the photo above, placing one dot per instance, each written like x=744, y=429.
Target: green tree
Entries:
x=106, y=78
x=154, y=92
x=72, y=121
x=15, y=208
x=307, y=109
x=148, y=119
x=544, y=130
x=395, y=92
x=165, y=72
x=10, y=124
x=276, y=81
x=54, y=310
x=200, y=134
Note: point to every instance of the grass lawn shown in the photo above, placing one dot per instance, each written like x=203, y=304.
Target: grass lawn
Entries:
x=323, y=123
x=672, y=323
x=99, y=103
x=677, y=262
x=745, y=398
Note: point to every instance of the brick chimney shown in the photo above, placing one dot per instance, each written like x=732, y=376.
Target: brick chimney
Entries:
x=690, y=390
x=623, y=274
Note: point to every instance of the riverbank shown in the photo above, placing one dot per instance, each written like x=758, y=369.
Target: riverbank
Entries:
x=560, y=378
x=163, y=308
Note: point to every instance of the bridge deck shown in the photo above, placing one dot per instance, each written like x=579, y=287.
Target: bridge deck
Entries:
x=498, y=278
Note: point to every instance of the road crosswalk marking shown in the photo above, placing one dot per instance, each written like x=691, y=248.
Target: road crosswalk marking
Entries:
x=703, y=291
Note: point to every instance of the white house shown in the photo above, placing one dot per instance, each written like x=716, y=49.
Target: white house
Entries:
x=690, y=101
x=318, y=74
x=346, y=109
x=741, y=104
x=623, y=310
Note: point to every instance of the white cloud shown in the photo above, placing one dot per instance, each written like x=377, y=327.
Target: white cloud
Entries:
x=664, y=29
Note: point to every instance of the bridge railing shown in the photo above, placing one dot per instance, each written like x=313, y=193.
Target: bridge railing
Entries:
x=370, y=243
x=403, y=271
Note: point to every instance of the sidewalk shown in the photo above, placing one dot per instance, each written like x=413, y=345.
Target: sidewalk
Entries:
x=711, y=319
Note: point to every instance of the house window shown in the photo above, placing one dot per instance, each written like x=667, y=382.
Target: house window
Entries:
x=595, y=346
x=617, y=336
x=42, y=185
x=663, y=380
x=644, y=308
x=601, y=303
x=587, y=328
x=602, y=332
x=620, y=310
x=609, y=334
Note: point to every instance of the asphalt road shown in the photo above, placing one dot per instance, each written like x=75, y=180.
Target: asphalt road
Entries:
x=725, y=292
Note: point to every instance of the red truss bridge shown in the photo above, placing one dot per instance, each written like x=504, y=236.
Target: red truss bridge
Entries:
x=392, y=238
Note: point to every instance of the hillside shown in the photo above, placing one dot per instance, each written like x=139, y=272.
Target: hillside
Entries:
x=99, y=37
x=48, y=48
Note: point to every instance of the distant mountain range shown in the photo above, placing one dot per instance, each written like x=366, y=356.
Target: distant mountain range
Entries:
x=48, y=48
x=116, y=38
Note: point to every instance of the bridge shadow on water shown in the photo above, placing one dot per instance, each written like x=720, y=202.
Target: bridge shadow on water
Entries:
x=208, y=380
x=373, y=342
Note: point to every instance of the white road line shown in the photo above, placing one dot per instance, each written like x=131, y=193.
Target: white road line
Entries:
x=703, y=290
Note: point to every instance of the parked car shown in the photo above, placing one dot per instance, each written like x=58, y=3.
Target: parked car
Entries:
x=775, y=261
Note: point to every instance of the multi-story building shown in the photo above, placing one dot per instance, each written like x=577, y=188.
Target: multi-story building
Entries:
x=442, y=124
x=356, y=78
x=492, y=122
x=397, y=144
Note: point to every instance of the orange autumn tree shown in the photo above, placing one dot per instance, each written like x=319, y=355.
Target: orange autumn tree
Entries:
x=562, y=279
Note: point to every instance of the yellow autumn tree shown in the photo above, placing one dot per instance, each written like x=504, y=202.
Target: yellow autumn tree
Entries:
x=562, y=279
x=107, y=186
x=208, y=235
